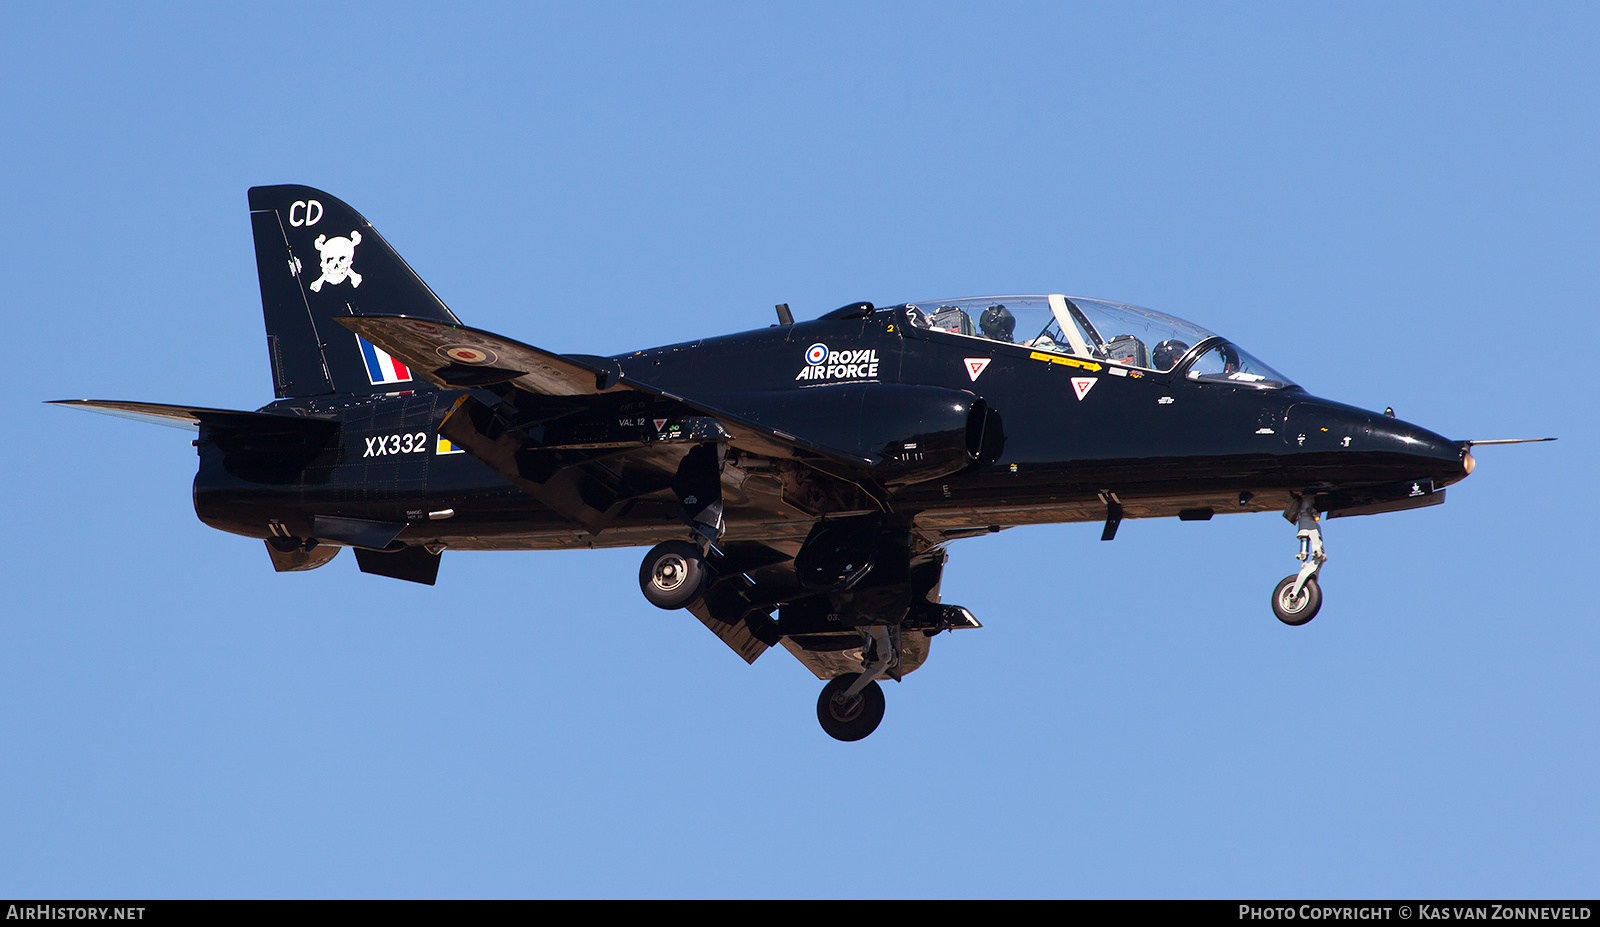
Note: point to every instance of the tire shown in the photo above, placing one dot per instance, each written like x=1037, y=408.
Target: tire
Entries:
x=852, y=720
x=672, y=574
x=1296, y=612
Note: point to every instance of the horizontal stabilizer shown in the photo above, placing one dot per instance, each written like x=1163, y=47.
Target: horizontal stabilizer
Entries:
x=192, y=417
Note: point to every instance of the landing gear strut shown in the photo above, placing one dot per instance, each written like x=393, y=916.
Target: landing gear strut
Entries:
x=1297, y=598
x=851, y=706
x=674, y=572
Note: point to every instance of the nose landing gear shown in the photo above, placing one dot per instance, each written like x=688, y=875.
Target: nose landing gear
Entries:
x=1292, y=608
x=1297, y=598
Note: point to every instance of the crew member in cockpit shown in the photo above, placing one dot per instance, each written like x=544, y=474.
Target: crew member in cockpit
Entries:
x=997, y=323
x=1167, y=353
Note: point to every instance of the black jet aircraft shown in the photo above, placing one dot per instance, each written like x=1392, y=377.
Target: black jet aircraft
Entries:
x=799, y=482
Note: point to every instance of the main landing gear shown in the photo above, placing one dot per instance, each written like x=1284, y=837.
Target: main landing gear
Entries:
x=831, y=615
x=1297, y=598
x=851, y=706
x=850, y=717
x=672, y=574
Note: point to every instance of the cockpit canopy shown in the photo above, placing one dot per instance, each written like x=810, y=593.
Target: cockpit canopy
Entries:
x=1117, y=333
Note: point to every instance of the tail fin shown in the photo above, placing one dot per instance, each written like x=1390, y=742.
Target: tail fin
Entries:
x=318, y=259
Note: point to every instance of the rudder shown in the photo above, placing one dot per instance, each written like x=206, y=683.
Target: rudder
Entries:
x=318, y=259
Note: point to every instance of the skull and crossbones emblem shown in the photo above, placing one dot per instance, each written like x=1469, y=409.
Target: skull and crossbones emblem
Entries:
x=337, y=253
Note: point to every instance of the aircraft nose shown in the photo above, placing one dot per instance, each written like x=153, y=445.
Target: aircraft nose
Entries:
x=1394, y=446
x=1417, y=443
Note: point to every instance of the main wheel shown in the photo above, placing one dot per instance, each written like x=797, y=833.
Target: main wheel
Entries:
x=850, y=719
x=1296, y=610
x=672, y=574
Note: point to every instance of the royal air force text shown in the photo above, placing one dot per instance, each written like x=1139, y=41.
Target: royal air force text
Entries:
x=843, y=365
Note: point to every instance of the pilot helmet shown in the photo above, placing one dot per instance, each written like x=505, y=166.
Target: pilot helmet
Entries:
x=997, y=323
x=1167, y=353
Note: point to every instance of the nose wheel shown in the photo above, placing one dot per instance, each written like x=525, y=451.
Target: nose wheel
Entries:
x=1295, y=609
x=1297, y=598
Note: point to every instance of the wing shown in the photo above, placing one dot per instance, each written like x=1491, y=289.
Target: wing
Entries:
x=457, y=357
x=593, y=445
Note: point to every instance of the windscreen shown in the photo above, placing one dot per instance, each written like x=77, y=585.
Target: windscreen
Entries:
x=1134, y=335
x=1120, y=333
x=1229, y=363
x=1007, y=319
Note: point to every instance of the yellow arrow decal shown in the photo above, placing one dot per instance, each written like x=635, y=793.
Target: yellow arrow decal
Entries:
x=1069, y=361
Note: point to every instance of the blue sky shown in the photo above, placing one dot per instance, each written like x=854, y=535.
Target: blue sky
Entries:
x=1393, y=204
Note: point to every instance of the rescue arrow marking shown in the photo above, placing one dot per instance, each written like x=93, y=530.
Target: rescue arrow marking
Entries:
x=1069, y=361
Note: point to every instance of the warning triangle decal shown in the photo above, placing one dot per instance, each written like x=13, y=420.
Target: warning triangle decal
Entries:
x=660, y=423
x=976, y=366
x=1082, y=385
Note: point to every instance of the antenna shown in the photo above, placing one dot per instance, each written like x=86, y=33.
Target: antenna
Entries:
x=785, y=317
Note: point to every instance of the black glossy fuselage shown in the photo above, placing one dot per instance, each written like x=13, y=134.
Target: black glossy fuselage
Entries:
x=1062, y=436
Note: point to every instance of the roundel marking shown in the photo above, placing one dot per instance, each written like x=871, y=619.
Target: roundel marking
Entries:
x=816, y=354
x=467, y=354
